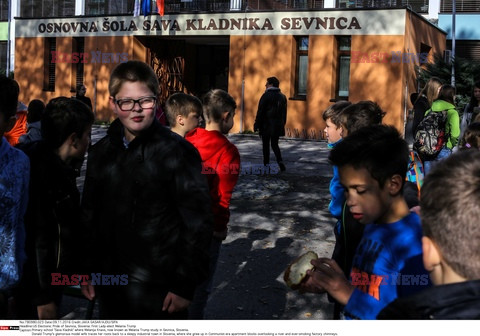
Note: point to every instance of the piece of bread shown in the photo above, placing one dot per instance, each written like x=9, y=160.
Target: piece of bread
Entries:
x=297, y=270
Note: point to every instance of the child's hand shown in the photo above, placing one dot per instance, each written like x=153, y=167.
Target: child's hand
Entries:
x=309, y=286
x=88, y=290
x=416, y=209
x=47, y=311
x=329, y=276
x=174, y=303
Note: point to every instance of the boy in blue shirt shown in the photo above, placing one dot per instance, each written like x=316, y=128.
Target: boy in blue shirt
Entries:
x=334, y=133
x=450, y=244
x=387, y=264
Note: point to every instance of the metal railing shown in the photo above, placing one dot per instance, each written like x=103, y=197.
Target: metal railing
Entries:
x=48, y=8
x=464, y=6
x=419, y=6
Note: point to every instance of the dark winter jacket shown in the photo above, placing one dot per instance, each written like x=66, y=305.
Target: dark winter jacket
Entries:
x=221, y=166
x=85, y=100
x=272, y=113
x=420, y=106
x=455, y=301
x=148, y=209
x=52, y=222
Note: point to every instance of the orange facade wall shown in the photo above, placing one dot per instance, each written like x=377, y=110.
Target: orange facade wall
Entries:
x=378, y=81
x=29, y=70
x=275, y=56
x=253, y=58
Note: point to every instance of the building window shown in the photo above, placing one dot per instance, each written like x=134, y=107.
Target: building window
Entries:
x=47, y=8
x=3, y=57
x=49, y=65
x=109, y=7
x=78, y=46
x=4, y=10
x=301, y=66
x=424, y=50
x=343, y=82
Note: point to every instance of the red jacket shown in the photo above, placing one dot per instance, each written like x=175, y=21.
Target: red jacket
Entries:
x=221, y=164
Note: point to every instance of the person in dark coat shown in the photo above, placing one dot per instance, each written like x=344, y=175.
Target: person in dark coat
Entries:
x=52, y=218
x=450, y=244
x=271, y=119
x=81, y=90
x=146, y=206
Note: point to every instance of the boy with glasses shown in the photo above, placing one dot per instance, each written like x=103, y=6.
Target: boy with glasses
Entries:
x=147, y=207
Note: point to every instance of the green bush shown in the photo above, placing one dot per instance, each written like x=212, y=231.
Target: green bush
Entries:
x=466, y=74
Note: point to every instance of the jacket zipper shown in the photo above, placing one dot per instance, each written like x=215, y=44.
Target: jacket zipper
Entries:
x=59, y=238
x=59, y=244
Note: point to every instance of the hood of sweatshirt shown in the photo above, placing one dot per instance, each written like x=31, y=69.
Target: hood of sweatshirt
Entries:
x=440, y=105
x=21, y=107
x=208, y=143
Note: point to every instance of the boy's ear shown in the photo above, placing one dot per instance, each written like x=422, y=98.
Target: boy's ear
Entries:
x=225, y=116
x=179, y=120
x=72, y=140
x=111, y=101
x=431, y=254
x=395, y=184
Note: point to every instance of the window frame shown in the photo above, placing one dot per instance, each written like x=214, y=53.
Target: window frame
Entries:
x=342, y=53
x=301, y=53
x=49, y=66
x=78, y=46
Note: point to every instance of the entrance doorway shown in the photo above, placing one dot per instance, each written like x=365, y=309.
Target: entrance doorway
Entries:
x=190, y=65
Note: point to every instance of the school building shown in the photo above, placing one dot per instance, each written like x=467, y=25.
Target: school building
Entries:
x=318, y=55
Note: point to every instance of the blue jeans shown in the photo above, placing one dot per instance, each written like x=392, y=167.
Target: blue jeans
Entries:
x=428, y=165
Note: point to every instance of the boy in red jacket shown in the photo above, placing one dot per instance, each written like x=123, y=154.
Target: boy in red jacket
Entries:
x=221, y=163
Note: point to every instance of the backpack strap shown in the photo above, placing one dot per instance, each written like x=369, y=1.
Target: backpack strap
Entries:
x=418, y=172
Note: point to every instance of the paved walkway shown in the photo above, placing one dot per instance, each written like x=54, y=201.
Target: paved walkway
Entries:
x=274, y=218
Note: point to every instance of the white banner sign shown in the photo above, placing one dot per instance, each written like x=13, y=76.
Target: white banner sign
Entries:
x=371, y=22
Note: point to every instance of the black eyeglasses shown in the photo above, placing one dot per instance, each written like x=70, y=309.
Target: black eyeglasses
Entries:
x=129, y=104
